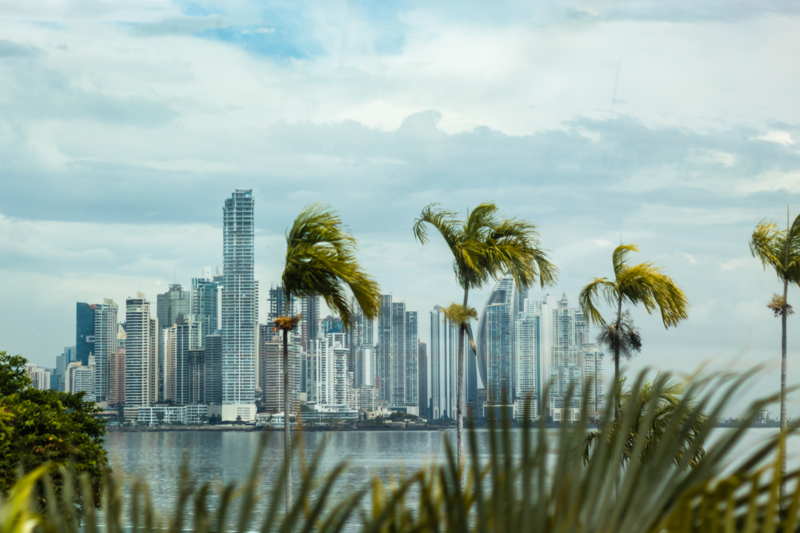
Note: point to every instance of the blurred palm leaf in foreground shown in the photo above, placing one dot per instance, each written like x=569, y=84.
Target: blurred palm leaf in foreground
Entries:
x=631, y=479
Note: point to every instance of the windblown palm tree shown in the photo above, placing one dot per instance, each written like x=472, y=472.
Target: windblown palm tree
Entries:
x=780, y=249
x=484, y=248
x=321, y=261
x=637, y=284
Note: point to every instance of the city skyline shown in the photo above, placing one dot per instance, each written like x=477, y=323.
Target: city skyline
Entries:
x=116, y=163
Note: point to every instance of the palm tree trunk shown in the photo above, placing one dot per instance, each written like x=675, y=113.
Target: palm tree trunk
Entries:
x=460, y=402
x=617, y=385
x=286, y=436
x=784, y=421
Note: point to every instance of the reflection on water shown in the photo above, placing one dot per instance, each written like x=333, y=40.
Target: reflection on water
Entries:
x=221, y=457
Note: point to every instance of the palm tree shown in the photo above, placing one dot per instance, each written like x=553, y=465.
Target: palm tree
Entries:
x=780, y=249
x=638, y=284
x=623, y=338
x=320, y=261
x=484, y=247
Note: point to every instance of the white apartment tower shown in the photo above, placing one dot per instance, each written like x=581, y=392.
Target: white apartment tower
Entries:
x=239, y=309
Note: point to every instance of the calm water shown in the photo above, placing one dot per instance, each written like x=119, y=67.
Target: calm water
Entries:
x=221, y=457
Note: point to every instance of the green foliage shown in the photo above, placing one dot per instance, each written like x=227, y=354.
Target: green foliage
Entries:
x=320, y=260
x=485, y=247
x=637, y=284
x=778, y=249
x=38, y=427
x=530, y=480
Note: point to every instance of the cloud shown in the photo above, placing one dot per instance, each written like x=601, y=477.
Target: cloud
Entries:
x=12, y=49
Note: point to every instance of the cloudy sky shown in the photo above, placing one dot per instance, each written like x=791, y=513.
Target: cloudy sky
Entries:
x=125, y=124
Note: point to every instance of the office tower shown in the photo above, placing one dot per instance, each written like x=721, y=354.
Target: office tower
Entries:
x=594, y=378
x=310, y=321
x=84, y=332
x=188, y=338
x=195, y=379
x=384, y=347
x=66, y=357
x=443, y=349
x=105, y=345
x=213, y=364
x=360, y=338
x=328, y=377
x=239, y=309
x=424, y=401
x=139, y=352
x=496, y=345
x=411, y=388
x=364, y=366
x=270, y=356
x=80, y=378
x=528, y=345
x=167, y=363
x=172, y=305
x=397, y=355
x=116, y=385
x=205, y=303
x=277, y=304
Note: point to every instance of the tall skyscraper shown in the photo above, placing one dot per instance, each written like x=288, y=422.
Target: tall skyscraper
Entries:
x=384, y=348
x=328, y=377
x=139, y=356
x=443, y=352
x=172, y=305
x=239, y=308
x=424, y=382
x=310, y=322
x=116, y=370
x=496, y=344
x=213, y=369
x=397, y=355
x=205, y=303
x=84, y=332
x=528, y=345
x=105, y=346
x=188, y=338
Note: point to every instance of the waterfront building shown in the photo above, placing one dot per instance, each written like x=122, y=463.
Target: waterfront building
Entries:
x=195, y=380
x=383, y=349
x=270, y=355
x=84, y=332
x=140, y=353
x=172, y=415
x=213, y=370
x=364, y=366
x=424, y=401
x=496, y=346
x=80, y=378
x=239, y=308
x=188, y=338
x=327, y=370
x=528, y=345
x=443, y=349
x=105, y=346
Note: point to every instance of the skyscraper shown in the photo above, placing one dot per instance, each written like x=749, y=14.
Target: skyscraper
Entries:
x=172, y=305
x=443, y=352
x=383, y=356
x=213, y=369
x=270, y=355
x=188, y=338
x=277, y=304
x=309, y=323
x=205, y=303
x=397, y=355
x=528, y=345
x=105, y=346
x=84, y=332
x=424, y=383
x=139, y=347
x=496, y=344
x=239, y=308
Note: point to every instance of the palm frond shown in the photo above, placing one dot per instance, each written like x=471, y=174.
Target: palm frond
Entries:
x=646, y=284
x=443, y=220
x=321, y=260
x=624, y=340
x=619, y=254
x=458, y=314
x=767, y=245
x=591, y=293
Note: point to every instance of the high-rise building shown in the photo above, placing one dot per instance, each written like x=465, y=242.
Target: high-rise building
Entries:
x=40, y=376
x=443, y=350
x=411, y=389
x=80, y=378
x=105, y=346
x=397, y=355
x=139, y=353
x=84, y=332
x=270, y=355
x=277, y=304
x=528, y=345
x=116, y=370
x=172, y=305
x=188, y=338
x=496, y=345
x=239, y=308
x=332, y=324
x=310, y=321
x=360, y=341
x=384, y=348
x=213, y=370
x=327, y=366
x=424, y=401
x=195, y=380
x=205, y=303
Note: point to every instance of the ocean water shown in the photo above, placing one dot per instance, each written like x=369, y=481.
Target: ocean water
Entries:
x=225, y=456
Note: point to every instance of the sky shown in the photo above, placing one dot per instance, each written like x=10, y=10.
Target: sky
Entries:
x=125, y=124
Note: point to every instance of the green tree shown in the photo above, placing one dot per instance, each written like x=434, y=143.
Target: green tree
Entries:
x=38, y=427
x=780, y=250
x=484, y=247
x=321, y=261
x=635, y=284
